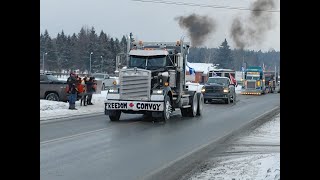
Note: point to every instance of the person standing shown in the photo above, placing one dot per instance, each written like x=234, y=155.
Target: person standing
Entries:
x=72, y=91
x=90, y=90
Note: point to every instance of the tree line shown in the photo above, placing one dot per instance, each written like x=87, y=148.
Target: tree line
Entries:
x=71, y=52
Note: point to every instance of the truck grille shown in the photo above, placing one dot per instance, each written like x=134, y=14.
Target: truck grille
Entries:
x=135, y=84
x=214, y=89
x=251, y=84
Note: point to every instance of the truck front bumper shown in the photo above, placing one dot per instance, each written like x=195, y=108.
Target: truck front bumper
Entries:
x=251, y=91
x=111, y=105
x=215, y=96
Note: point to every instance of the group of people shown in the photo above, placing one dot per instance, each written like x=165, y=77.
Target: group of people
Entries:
x=80, y=88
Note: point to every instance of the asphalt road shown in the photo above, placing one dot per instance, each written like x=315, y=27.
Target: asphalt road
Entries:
x=96, y=148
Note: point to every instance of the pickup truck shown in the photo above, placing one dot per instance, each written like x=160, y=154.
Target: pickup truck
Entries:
x=219, y=88
x=52, y=89
x=105, y=79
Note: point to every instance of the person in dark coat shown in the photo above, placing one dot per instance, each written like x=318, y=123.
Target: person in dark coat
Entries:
x=72, y=91
x=90, y=89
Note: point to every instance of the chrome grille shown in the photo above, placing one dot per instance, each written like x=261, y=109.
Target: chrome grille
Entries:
x=251, y=84
x=135, y=84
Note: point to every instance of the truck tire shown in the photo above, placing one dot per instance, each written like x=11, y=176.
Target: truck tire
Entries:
x=227, y=101
x=234, y=97
x=115, y=116
x=191, y=111
x=167, y=109
x=184, y=112
x=194, y=106
x=200, y=103
x=52, y=97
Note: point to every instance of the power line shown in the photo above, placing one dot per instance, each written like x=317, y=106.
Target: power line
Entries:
x=203, y=5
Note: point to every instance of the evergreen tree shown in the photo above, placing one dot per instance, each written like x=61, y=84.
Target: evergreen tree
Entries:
x=224, y=57
x=83, y=62
x=50, y=63
x=93, y=47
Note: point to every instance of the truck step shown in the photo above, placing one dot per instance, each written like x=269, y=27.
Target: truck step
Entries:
x=187, y=106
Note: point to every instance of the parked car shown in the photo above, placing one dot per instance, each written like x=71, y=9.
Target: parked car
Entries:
x=104, y=78
x=219, y=88
x=51, y=88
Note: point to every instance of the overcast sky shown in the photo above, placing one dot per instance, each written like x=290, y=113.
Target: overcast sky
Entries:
x=148, y=21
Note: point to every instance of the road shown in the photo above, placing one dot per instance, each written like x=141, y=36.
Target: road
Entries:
x=96, y=148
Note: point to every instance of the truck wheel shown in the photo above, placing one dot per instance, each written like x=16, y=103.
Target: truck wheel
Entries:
x=184, y=112
x=167, y=109
x=234, y=98
x=200, y=103
x=191, y=111
x=115, y=116
x=52, y=97
x=228, y=100
x=194, y=106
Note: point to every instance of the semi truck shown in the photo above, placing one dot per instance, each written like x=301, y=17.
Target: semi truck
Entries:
x=154, y=82
x=254, y=81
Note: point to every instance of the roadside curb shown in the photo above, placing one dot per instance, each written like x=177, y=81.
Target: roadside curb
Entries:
x=181, y=167
x=66, y=118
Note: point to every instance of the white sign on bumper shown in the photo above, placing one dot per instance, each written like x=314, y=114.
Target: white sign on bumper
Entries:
x=134, y=105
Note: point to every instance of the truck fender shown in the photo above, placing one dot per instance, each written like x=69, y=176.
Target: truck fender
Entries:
x=167, y=91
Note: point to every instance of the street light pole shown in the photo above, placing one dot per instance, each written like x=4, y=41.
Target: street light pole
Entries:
x=43, y=61
x=90, y=64
x=101, y=64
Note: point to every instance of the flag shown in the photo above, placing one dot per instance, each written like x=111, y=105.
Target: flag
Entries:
x=192, y=71
x=233, y=80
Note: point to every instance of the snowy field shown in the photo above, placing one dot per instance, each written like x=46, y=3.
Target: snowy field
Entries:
x=252, y=157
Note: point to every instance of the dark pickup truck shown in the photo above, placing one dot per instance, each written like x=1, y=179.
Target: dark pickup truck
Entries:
x=52, y=89
x=219, y=88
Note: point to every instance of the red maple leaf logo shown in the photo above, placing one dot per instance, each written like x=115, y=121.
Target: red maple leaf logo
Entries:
x=131, y=104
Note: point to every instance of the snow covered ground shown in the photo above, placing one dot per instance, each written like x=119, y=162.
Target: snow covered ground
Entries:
x=253, y=157
x=55, y=109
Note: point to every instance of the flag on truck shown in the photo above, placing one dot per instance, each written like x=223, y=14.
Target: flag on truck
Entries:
x=233, y=80
x=191, y=70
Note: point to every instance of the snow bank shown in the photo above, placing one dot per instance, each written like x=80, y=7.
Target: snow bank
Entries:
x=55, y=109
x=247, y=160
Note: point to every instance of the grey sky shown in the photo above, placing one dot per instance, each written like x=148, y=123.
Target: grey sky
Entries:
x=147, y=21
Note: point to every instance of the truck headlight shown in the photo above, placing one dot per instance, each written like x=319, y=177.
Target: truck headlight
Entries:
x=225, y=90
x=157, y=91
x=203, y=89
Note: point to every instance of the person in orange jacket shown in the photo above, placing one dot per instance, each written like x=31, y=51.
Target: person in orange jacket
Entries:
x=82, y=92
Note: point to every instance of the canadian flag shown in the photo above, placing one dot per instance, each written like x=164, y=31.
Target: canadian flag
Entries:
x=233, y=80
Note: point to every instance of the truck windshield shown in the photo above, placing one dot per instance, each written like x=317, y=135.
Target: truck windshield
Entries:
x=222, y=81
x=250, y=77
x=147, y=62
